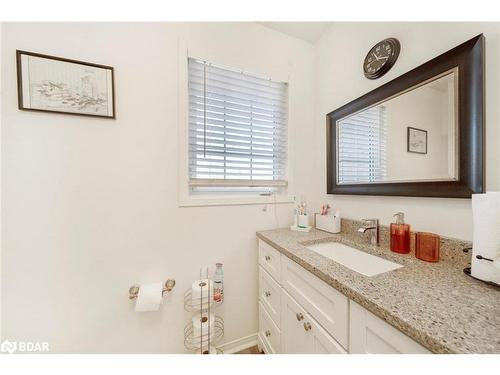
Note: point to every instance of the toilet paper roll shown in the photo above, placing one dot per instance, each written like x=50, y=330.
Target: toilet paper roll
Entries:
x=200, y=289
x=149, y=297
x=486, y=236
x=202, y=324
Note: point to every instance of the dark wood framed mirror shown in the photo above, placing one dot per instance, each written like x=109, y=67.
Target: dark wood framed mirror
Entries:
x=421, y=134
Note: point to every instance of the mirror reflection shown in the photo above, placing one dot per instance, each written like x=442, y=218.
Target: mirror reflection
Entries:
x=412, y=136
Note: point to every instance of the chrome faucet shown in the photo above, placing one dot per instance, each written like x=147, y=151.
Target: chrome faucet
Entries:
x=372, y=226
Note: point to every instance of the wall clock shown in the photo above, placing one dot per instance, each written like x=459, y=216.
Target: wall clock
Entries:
x=381, y=58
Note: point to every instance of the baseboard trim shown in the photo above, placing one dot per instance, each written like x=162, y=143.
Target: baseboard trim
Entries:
x=239, y=344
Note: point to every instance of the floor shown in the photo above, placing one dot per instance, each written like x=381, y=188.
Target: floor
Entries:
x=251, y=350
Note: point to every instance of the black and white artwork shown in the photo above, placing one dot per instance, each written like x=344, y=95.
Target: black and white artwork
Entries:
x=417, y=140
x=55, y=84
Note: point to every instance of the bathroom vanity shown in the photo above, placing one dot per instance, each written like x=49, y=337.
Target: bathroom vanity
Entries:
x=310, y=303
x=420, y=134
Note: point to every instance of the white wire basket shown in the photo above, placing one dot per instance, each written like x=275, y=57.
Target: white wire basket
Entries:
x=201, y=343
x=195, y=305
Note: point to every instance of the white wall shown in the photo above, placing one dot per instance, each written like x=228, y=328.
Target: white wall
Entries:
x=1, y=90
x=339, y=80
x=90, y=205
x=424, y=108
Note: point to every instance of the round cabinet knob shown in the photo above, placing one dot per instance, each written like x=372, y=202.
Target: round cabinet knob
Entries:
x=299, y=316
x=268, y=294
x=307, y=326
x=267, y=333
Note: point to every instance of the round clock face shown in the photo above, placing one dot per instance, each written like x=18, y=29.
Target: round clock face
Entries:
x=381, y=58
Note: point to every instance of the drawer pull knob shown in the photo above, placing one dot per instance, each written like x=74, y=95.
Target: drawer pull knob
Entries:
x=307, y=326
x=268, y=294
x=267, y=333
x=267, y=257
x=299, y=316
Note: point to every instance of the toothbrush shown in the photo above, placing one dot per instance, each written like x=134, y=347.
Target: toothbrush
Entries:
x=324, y=209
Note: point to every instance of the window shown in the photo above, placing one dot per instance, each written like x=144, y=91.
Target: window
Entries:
x=362, y=147
x=237, y=130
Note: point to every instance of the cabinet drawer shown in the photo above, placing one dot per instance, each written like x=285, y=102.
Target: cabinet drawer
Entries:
x=270, y=295
x=327, y=306
x=371, y=335
x=269, y=333
x=270, y=260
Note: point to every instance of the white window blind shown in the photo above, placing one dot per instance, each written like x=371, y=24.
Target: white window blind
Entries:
x=362, y=147
x=237, y=129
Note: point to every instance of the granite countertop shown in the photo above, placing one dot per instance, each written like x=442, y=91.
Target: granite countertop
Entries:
x=435, y=304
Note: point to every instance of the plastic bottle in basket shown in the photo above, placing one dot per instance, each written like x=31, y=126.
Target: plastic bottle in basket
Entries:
x=218, y=283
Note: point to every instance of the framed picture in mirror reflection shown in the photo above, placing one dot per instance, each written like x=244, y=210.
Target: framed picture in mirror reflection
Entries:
x=416, y=140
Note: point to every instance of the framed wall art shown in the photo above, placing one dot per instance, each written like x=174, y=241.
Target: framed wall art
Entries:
x=417, y=140
x=55, y=84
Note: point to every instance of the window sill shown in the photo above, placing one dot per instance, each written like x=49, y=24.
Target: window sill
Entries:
x=232, y=201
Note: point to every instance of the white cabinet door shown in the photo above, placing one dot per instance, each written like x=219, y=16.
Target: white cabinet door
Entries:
x=301, y=334
x=294, y=336
x=321, y=341
x=368, y=334
x=325, y=304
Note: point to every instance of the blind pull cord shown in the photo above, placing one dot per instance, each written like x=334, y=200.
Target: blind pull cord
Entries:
x=204, y=109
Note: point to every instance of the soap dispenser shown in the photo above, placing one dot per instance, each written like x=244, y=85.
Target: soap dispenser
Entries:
x=400, y=235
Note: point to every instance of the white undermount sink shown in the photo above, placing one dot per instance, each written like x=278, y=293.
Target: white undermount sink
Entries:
x=359, y=261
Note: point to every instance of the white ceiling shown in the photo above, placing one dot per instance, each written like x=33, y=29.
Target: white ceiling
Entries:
x=307, y=31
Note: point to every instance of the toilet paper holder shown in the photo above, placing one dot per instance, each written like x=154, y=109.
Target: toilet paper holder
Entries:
x=133, y=291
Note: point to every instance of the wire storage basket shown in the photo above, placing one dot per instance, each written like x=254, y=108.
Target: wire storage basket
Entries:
x=204, y=340
x=194, y=305
x=205, y=330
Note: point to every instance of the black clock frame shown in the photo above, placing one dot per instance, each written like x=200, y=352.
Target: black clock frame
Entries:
x=396, y=47
x=468, y=57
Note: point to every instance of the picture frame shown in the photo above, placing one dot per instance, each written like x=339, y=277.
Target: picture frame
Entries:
x=54, y=84
x=416, y=140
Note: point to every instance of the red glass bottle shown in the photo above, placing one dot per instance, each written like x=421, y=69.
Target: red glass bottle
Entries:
x=400, y=235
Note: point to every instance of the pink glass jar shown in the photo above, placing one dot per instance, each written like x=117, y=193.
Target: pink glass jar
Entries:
x=427, y=246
